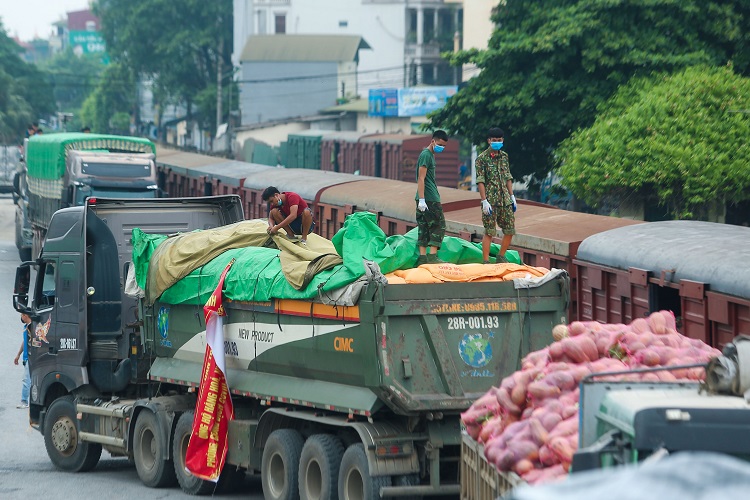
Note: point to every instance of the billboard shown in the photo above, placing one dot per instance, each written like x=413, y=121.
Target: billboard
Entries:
x=411, y=101
x=383, y=102
x=87, y=42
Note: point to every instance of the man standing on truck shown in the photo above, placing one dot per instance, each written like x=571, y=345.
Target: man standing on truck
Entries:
x=495, y=184
x=430, y=219
x=288, y=211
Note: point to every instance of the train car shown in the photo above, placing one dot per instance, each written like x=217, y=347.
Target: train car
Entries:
x=689, y=267
x=394, y=156
x=340, y=152
x=546, y=236
x=303, y=149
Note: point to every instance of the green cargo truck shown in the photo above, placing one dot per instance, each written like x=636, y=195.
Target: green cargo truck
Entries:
x=63, y=169
x=357, y=401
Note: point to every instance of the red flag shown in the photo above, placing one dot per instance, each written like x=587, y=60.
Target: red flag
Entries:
x=207, y=449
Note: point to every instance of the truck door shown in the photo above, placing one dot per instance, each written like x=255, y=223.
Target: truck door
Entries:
x=43, y=349
x=56, y=344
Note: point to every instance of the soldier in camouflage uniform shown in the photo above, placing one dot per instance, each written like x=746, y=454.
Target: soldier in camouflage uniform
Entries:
x=495, y=184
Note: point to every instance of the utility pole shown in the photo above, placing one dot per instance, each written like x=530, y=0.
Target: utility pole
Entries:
x=219, y=69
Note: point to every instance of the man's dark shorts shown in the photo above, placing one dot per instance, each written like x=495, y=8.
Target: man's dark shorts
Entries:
x=296, y=224
x=431, y=225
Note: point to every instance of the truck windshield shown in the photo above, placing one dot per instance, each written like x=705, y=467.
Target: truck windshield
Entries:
x=130, y=170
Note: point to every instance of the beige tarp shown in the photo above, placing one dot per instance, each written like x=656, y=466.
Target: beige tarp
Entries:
x=178, y=255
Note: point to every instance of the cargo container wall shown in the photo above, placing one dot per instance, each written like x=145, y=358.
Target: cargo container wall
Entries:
x=303, y=149
x=329, y=150
x=633, y=271
x=446, y=169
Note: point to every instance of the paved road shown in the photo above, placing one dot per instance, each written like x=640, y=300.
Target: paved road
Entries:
x=25, y=471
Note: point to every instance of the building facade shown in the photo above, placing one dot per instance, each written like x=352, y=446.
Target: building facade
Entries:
x=406, y=36
x=285, y=76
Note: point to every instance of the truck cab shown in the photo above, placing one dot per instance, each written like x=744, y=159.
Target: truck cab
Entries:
x=85, y=336
x=110, y=175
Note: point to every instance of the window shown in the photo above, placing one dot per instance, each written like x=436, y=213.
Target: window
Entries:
x=280, y=23
x=343, y=24
x=46, y=296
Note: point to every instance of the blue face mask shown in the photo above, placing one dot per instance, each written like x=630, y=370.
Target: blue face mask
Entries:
x=438, y=148
x=497, y=146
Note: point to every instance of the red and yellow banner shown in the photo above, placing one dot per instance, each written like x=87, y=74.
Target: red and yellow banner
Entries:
x=207, y=449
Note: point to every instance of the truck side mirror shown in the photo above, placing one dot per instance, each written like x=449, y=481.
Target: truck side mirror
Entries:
x=21, y=289
x=23, y=278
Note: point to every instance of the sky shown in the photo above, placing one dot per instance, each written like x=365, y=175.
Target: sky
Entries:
x=33, y=18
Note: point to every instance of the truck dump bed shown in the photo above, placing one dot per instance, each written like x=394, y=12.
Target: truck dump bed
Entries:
x=412, y=348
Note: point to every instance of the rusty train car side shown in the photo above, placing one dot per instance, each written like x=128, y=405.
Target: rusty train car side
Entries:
x=546, y=236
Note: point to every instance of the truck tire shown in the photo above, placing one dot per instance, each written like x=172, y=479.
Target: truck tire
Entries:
x=24, y=254
x=189, y=483
x=279, y=469
x=355, y=482
x=66, y=451
x=319, y=467
x=150, y=453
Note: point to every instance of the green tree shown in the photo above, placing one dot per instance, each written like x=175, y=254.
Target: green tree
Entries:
x=176, y=44
x=24, y=92
x=678, y=141
x=114, y=95
x=550, y=63
x=73, y=78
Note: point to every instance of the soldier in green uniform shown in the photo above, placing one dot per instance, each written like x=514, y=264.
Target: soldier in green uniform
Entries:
x=495, y=184
x=430, y=219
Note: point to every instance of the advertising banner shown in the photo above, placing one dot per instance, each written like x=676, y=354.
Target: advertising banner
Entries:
x=207, y=449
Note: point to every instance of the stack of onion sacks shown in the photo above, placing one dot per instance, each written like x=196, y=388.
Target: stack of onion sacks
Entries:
x=529, y=424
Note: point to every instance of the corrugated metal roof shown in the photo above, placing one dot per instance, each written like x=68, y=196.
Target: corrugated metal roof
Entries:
x=305, y=182
x=539, y=228
x=303, y=48
x=706, y=252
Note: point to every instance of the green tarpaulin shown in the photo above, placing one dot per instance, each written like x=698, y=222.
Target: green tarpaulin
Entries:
x=257, y=273
x=45, y=153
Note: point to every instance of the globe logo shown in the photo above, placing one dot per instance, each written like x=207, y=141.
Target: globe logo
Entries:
x=475, y=350
x=162, y=321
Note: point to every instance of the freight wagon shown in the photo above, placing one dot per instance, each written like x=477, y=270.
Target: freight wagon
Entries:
x=688, y=267
x=388, y=156
x=614, y=277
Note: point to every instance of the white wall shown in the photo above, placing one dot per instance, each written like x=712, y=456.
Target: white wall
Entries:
x=243, y=28
x=271, y=135
x=382, y=25
x=383, y=125
x=477, y=29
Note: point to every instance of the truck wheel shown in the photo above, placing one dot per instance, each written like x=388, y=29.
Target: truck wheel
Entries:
x=150, y=453
x=189, y=483
x=355, y=482
x=24, y=254
x=319, y=467
x=64, y=447
x=279, y=469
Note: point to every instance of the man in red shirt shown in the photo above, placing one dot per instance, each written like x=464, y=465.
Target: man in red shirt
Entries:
x=288, y=211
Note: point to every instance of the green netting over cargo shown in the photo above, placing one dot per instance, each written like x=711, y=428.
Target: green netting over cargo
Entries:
x=45, y=154
x=257, y=272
